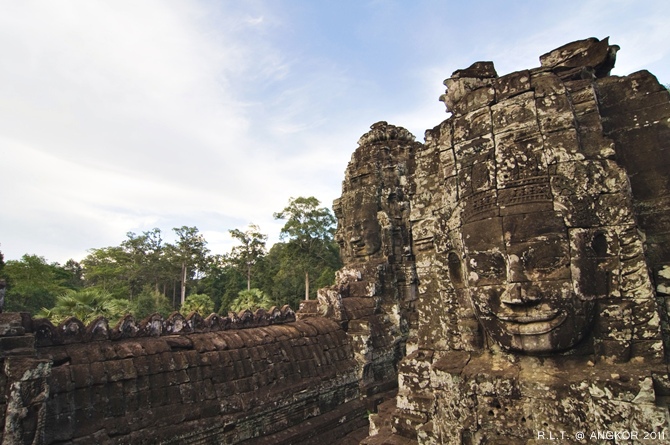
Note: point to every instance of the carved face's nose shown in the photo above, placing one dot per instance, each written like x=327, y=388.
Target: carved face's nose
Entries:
x=519, y=294
x=515, y=270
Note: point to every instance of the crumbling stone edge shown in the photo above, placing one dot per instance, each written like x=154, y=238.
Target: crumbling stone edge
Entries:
x=73, y=330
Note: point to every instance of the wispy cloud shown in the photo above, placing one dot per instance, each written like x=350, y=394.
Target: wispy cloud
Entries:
x=125, y=115
x=127, y=104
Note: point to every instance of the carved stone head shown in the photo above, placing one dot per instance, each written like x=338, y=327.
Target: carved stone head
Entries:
x=370, y=209
x=536, y=214
x=532, y=281
x=358, y=232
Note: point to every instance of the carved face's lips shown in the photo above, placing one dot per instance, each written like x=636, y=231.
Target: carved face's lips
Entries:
x=359, y=249
x=537, y=323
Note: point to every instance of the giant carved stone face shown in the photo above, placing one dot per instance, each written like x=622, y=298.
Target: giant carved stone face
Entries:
x=519, y=277
x=358, y=232
x=359, y=240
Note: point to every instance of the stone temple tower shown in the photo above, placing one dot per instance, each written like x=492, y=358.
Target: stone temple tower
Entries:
x=375, y=292
x=539, y=229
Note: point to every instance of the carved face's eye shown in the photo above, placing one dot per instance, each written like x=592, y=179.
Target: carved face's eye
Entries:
x=547, y=264
x=486, y=267
x=545, y=259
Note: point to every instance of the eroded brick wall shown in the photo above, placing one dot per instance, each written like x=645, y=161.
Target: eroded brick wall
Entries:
x=229, y=386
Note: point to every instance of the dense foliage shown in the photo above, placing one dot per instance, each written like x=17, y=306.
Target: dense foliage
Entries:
x=145, y=275
x=32, y=283
x=199, y=303
x=251, y=299
x=87, y=305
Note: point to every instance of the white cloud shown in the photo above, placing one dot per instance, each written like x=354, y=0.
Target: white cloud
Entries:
x=125, y=115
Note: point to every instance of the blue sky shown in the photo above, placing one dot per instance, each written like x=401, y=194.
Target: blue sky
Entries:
x=127, y=115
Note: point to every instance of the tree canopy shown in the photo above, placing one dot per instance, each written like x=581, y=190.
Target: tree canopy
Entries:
x=33, y=283
x=251, y=299
x=250, y=251
x=145, y=275
x=87, y=305
x=310, y=248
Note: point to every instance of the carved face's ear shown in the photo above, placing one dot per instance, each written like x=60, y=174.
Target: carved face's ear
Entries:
x=599, y=245
x=455, y=270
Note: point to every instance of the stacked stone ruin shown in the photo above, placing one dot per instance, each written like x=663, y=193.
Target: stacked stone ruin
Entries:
x=506, y=281
x=373, y=298
x=540, y=232
x=246, y=377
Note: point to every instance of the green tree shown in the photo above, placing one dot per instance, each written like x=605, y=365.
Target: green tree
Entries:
x=108, y=269
x=251, y=299
x=222, y=282
x=2, y=265
x=139, y=261
x=145, y=259
x=32, y=283
x=190, y=254
x=309, y=235
x=3, y=282
x=75, y=274
x=250, y=251
x=283, y=279
x=149, y=302
x=87, y=305
x=199, y=303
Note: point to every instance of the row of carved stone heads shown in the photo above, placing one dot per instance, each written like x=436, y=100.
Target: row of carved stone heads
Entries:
x=72, y=330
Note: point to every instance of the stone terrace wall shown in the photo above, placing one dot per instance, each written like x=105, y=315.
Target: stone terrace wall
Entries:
x=75, y=384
